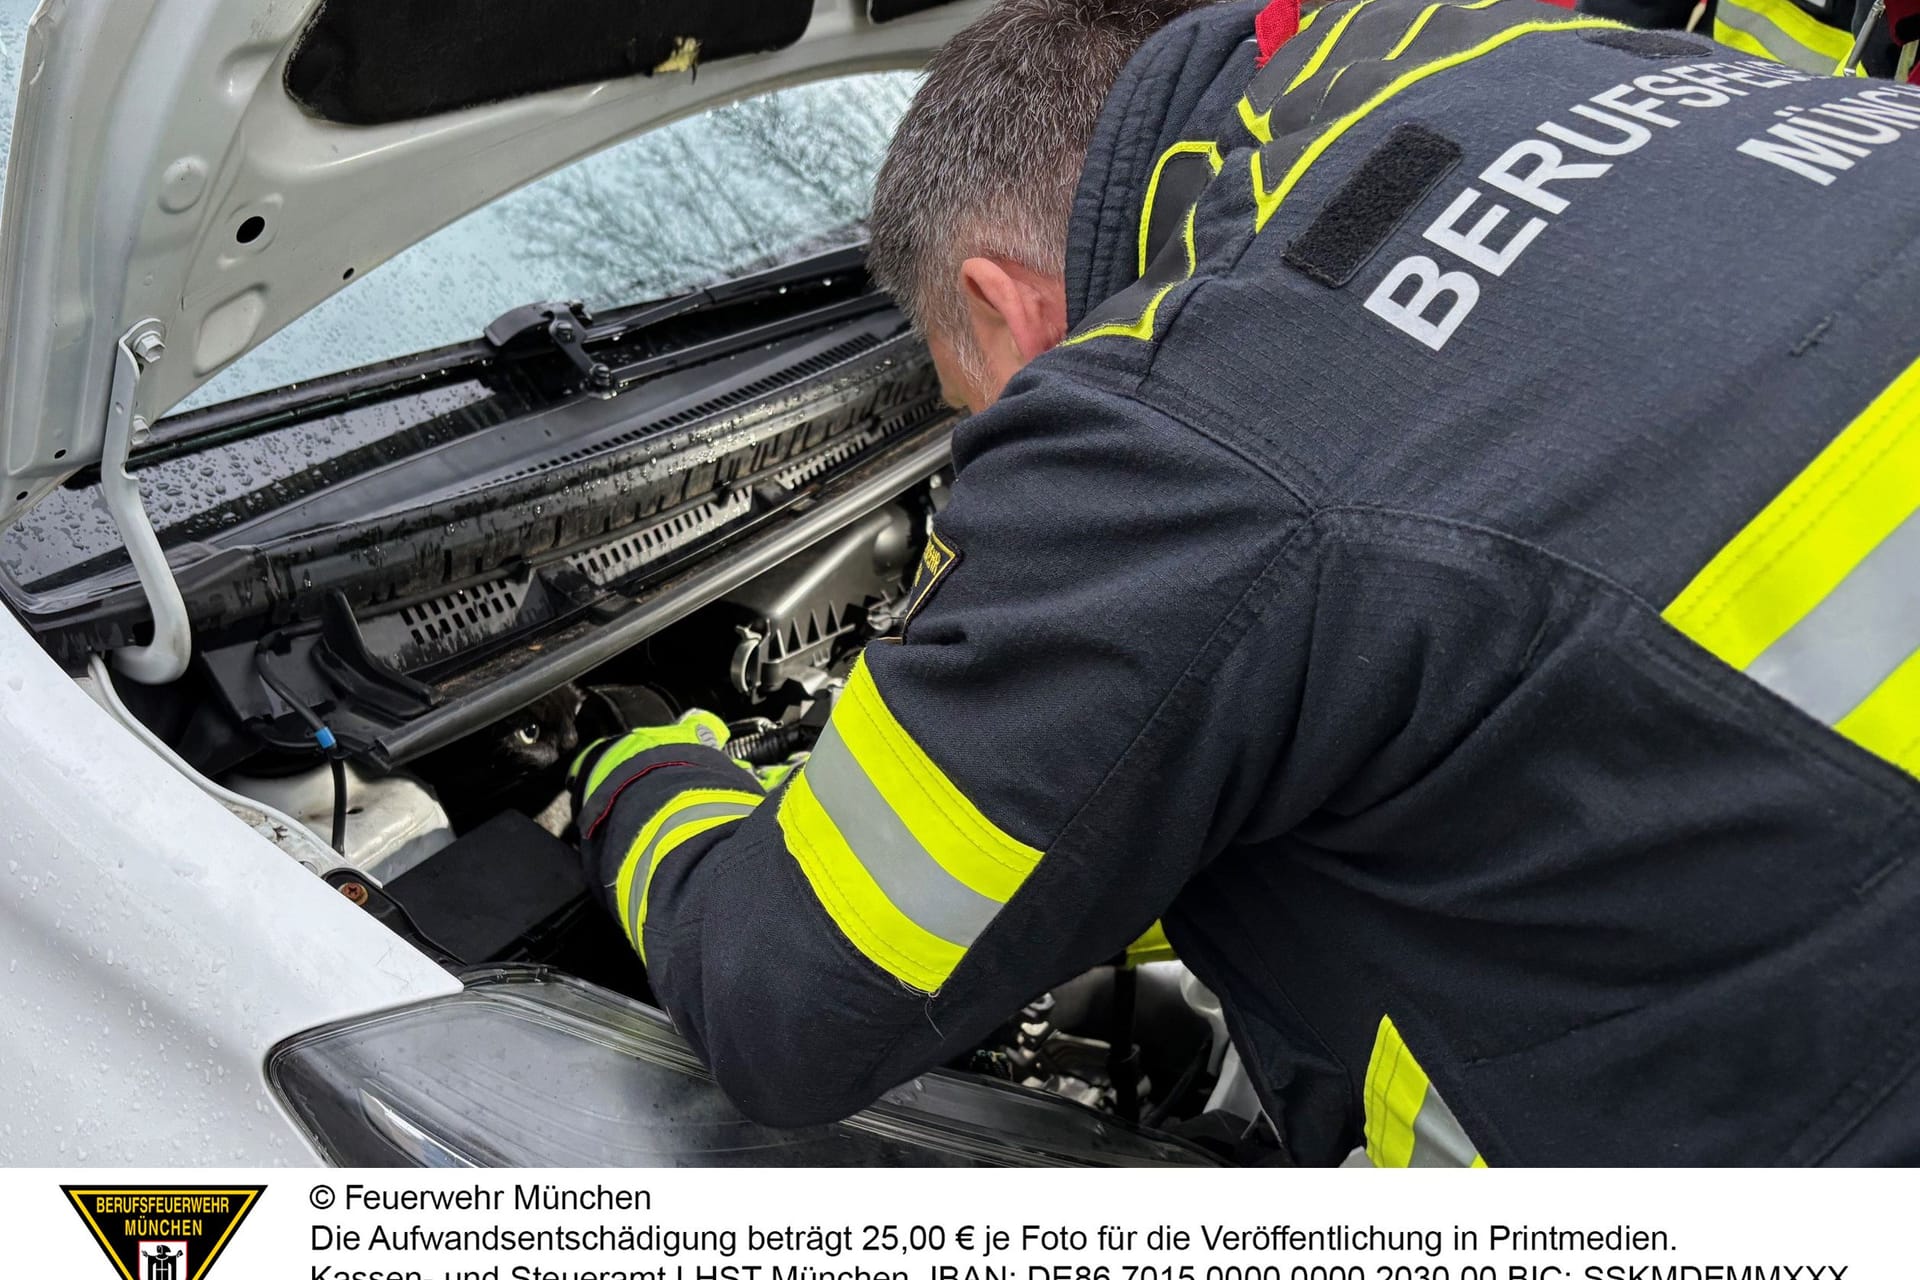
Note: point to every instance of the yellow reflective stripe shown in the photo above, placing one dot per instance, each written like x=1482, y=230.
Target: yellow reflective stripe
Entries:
x=668, y=843
x=908, y=869
x=678, y=804
x=1407, y=1122
x=1151, y=946
x=1142, y=328
x=1207, y=149
x=1803, y=543
x=616, y=755
x=1420, y=23
x=858, y=907
x=1260, y=126
x=1396, y=1086
x=1266, y=202
x=1740, y=40
x=1888, y=722
x=1412, y=31
x=1831, y=44
x=1320, y=54
x=1805, y=29
x=651, y=840
x=966, y=844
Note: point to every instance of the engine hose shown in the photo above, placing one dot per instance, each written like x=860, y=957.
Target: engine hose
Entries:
x=339, y=769
x=771, y=746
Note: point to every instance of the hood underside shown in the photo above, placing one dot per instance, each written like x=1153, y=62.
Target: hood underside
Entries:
x=206, y=171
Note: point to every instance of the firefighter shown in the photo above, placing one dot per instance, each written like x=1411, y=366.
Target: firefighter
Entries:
x=1478, y=622
x=1859, y=37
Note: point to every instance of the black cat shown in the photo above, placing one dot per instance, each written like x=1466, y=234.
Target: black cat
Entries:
x=539, y=736
x=515, y=763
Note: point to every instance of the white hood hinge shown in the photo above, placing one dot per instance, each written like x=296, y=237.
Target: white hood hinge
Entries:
x=164, y=659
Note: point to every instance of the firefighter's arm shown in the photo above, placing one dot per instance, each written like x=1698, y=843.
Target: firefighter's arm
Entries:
x=1005, y=798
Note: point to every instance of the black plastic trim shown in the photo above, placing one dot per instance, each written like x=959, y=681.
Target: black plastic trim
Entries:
x=871, y=486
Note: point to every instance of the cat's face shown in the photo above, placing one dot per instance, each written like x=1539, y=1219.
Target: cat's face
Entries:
x=544, y=734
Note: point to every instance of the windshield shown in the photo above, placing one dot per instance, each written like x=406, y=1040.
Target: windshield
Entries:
x=658, y=214
x=735, y=189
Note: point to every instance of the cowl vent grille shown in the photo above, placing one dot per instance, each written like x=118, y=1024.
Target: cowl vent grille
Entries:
x=487, y=608
x=612, y=561
x=759, y=389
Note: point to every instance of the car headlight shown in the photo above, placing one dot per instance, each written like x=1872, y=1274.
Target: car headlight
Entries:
x=528, y=1067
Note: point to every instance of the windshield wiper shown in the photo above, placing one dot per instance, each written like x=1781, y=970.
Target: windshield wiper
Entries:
x=267, y=411
x=560, y=326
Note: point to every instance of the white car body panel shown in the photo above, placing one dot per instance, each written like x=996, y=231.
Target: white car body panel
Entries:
x=156, y=947
x=149, y=130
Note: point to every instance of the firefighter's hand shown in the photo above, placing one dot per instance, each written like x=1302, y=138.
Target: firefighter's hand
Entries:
x=602, y=759
x=625, y=787
x=772, y=775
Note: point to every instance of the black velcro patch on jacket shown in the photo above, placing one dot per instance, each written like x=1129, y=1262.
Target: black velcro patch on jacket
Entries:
x=1649, y=44
x=1371, y=205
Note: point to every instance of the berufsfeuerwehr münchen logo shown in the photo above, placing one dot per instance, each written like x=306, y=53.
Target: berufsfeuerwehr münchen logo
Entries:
x=163, y=1233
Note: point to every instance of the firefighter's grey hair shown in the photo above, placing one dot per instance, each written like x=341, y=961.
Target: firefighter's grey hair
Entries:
x=987, y=157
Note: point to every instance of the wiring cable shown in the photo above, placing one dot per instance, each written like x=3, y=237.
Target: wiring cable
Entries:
x=109, y=699
x=322, y=737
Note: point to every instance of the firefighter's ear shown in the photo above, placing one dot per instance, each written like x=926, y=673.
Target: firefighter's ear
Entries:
x=1014, y=312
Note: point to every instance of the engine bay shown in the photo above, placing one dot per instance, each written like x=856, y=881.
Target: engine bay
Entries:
x=397, y=660
x=467, y=850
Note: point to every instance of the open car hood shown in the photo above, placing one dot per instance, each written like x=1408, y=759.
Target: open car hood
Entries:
x=188, y=176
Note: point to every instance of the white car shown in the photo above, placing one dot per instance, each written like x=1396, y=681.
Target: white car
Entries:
x=288, y=681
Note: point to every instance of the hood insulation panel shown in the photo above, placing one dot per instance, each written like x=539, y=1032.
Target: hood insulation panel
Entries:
x=379, y=61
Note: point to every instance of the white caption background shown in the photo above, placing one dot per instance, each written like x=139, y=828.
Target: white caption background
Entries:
x=1041, y=1225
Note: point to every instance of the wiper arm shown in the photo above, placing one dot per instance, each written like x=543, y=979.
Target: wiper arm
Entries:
x=568, y=327
x=267, y=411
x=562, y=326
x=770, y=283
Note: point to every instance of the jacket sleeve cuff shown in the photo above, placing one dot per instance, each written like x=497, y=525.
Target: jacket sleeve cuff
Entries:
x=629, y=797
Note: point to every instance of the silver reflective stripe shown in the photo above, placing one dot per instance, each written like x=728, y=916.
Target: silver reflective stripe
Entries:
x=637, y=895
x=1856, y=637
x=1776, y=41
x=923, y=890
x=1438, y=1140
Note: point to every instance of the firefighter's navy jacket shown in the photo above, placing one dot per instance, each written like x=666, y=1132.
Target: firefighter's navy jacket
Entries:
x=1461, y=571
